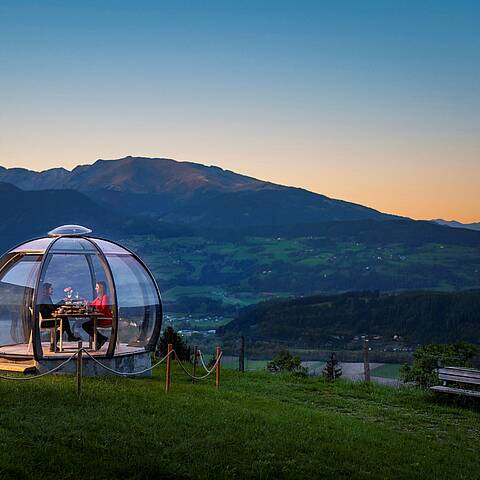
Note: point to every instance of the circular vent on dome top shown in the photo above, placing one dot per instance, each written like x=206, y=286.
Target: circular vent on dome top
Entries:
x=69, y=230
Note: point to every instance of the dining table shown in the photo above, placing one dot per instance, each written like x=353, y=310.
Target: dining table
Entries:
x=81, y=314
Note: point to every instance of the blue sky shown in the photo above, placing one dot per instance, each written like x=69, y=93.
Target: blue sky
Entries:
x=371, y=101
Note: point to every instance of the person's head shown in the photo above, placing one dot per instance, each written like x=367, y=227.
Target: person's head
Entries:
x=101, y=289
x=47, y=289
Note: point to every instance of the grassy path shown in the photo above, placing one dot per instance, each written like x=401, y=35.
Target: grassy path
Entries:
x=256, y=426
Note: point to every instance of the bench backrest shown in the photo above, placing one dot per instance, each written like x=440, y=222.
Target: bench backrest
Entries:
x=459, y=375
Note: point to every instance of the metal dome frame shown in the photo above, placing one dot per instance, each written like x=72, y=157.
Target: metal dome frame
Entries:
x=37, y=345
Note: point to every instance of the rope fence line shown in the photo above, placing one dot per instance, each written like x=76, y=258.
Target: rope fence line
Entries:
x=209, y=372
x=127, y=374
x=82, y=350
x=34, y=377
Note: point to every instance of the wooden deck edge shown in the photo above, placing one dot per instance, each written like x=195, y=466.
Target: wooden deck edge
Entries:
x=18, y=368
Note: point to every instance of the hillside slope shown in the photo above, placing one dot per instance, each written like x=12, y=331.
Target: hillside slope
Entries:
x=255, y=426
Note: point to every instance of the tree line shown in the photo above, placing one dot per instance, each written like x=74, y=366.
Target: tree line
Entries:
x=415, y=316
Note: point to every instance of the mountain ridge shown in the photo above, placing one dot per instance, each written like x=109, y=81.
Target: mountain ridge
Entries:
x=190, y=193
x=32, y=179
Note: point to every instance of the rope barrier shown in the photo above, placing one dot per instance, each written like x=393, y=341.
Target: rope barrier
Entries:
x=116, y=372
x=33, y=377
x=203, y=376
x=124, y=374
x=202, y=361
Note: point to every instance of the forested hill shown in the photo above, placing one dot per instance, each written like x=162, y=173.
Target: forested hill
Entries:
x=418, y=317
x=29, y=214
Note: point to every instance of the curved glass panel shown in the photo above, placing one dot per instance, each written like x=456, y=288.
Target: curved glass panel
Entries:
x=73, y=287
x=39, y=245
x=138, y=302
x=110, y=248
x=69, y=230
x=72, y=244
x=17, y=283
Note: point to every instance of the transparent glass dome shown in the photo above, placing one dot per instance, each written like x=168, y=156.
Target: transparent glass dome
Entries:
x=57, y=290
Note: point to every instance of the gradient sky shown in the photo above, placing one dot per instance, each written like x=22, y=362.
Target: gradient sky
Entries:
x=376, y=102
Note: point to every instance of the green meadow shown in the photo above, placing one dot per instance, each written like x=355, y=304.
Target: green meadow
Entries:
x=251, y=269
x=256, y=425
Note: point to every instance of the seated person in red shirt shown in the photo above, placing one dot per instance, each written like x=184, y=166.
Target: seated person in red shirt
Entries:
x=101, y=304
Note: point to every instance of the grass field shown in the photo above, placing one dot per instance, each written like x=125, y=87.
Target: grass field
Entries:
x=256, y=426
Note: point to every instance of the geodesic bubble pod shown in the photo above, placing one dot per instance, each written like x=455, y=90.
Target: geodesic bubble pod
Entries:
x=78, y=278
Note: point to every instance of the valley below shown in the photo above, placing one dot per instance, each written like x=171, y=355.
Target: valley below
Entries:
x=219, y=243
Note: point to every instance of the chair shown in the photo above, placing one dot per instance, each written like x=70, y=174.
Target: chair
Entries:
x=57, y=325
x=102, y=330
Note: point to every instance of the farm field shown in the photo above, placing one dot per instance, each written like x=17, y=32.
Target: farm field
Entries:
x=256, y=426
x=234, y=274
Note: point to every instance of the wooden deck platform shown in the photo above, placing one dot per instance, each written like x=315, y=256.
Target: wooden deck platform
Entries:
x=21, y=350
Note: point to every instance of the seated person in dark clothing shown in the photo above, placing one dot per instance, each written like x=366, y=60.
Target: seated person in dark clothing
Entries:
x=101, y=304
x=46, y=307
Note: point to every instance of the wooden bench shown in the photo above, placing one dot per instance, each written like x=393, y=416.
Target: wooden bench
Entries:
x=458, y=375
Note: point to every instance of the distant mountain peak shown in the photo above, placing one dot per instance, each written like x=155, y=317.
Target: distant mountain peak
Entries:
x=456, y=224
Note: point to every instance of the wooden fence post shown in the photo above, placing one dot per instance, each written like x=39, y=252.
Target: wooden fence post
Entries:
x=241, y=357
x=79, y=369
x=169, y=363
x=194, y=370
x=217, y=369
x=366, y=363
